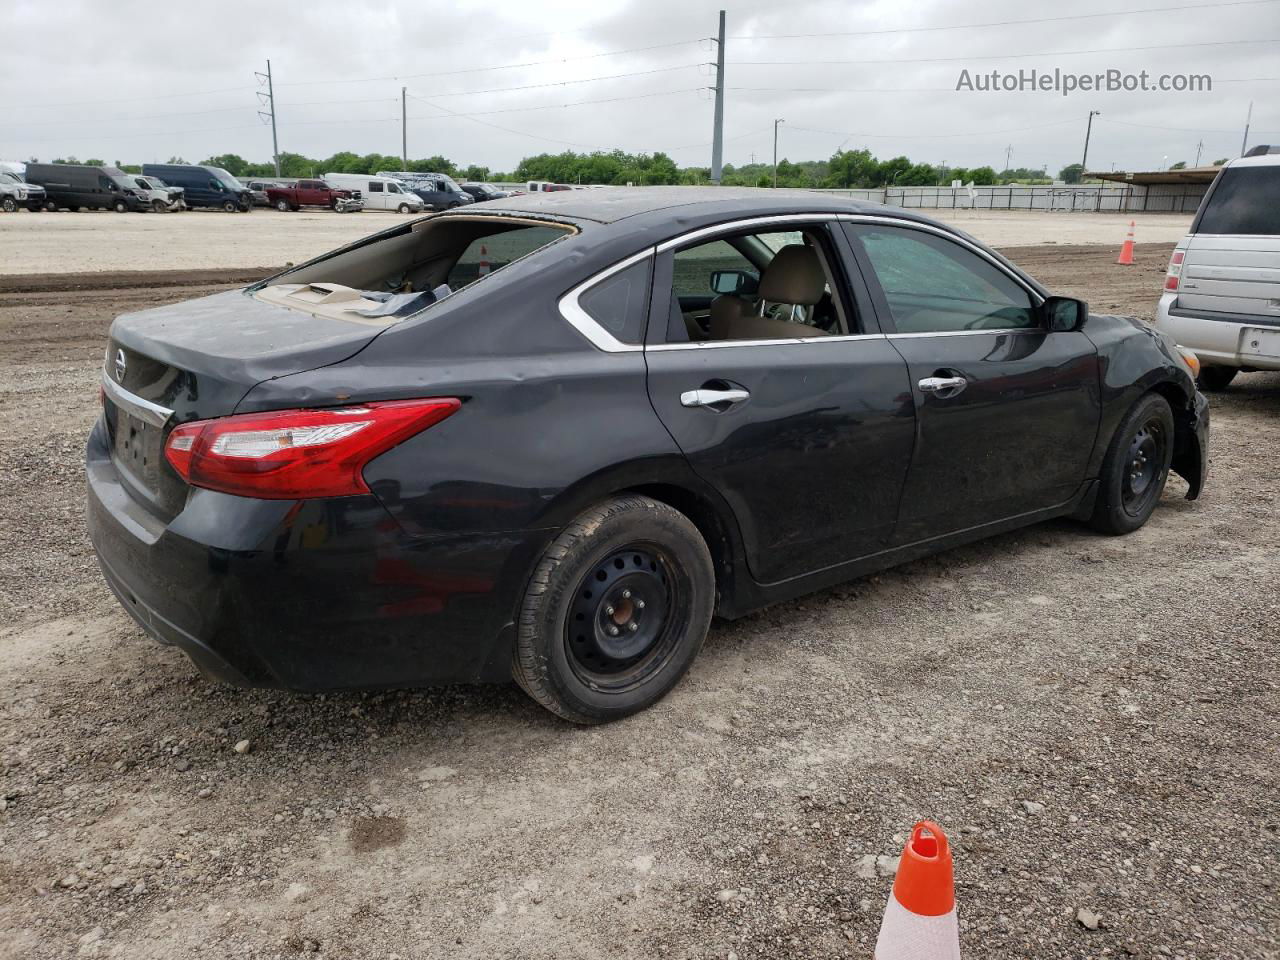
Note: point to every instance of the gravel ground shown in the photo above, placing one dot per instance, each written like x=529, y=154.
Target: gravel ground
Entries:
x=101, y=240
x=1093, y=720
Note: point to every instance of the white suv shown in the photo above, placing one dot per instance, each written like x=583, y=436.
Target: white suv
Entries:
x=1222, y=293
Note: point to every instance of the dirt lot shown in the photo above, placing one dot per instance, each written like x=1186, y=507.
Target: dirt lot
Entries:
x=99, y=240
x=1094, y=720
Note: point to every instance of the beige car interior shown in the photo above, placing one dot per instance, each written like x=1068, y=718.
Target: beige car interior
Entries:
x=791, y=286
x=419, y=259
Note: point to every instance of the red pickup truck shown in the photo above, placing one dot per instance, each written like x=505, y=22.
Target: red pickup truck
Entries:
x=314, y=193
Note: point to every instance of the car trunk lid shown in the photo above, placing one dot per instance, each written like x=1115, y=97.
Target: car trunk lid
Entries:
x=194, y=361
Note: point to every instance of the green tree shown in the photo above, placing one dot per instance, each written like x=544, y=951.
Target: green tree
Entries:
x=473, y=172
x=1180, y=165
x=230, y=162
x=1072, y=173
x=1218, y=163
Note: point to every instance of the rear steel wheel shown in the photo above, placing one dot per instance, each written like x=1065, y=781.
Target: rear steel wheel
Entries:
x=615, y=612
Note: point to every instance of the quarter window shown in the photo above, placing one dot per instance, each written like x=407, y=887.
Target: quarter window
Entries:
x=933, y=285
x=620, y=303
x=375, y=186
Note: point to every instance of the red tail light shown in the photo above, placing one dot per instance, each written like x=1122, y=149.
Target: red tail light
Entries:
x=1175, y=269
x=297, y=454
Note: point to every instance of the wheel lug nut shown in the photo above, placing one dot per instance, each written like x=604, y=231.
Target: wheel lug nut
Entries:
x=634, y=627
x=608, y=611
x=639, y=604
x=626, y=594
x=611, y=630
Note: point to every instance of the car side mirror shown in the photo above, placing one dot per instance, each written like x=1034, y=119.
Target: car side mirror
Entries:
x=730, y=282
x=1064, y=314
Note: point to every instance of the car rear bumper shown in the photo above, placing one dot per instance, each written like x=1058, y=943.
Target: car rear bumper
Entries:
x=307, y=595
x=1229, y=340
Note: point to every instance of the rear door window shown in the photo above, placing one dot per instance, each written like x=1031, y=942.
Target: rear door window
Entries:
x=1245, y=200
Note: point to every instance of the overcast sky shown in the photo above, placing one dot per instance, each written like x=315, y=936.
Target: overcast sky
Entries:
x=135, y=82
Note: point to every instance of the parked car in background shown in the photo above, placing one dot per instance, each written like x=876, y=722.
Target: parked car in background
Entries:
x=162, y=197
x=1222, y=292
x=549, y=438
x=203, y=186
x=377, y=193
x=258, y=190
x=437, y=191
x=16, y=192
x=76, y=186
x=543, y=186
x=483, y=191
x=314, y=193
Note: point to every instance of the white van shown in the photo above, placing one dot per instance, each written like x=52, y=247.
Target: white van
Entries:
x=1222, y=292
x=378, y=193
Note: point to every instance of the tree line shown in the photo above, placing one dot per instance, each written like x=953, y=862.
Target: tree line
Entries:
x=843, y=169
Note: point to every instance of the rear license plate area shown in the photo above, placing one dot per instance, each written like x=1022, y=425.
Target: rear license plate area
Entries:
x=1260, y=342
x=135, y=446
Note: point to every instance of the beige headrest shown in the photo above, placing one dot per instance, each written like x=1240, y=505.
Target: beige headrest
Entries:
x=794, y=275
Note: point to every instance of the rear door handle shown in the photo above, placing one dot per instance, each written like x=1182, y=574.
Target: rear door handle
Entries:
x=943, y=386
x=706, y=397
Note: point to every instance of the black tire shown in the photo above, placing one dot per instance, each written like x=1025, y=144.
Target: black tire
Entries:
x=283, y=205
x=159, y=206
x=404, y=208
x=1135, y=468
x=1214, y=379
x=51, y=206
x=630, y=566
x=120, y=207
x=229, y=206
x=9, y=205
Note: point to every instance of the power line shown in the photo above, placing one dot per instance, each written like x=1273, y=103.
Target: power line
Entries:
x=1000, y=23
x=1152, y=126
x=997, y=56
x=485, y=123
x=931, y=136
x=502, y=66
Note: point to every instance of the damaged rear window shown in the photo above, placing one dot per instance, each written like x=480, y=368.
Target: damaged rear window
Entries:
x=385, y=281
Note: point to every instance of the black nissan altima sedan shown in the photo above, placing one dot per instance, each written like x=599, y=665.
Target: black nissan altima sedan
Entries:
x=550, y=439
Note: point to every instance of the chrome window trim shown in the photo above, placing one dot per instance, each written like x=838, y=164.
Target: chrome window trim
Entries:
x=715, y=344
x=965, y=333
x=135, y=406
x=891, y=221
x=748, y=223
x=584, y=323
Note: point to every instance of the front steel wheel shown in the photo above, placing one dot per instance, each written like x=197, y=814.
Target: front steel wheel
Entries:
x=615, y=612
x=1136, y=467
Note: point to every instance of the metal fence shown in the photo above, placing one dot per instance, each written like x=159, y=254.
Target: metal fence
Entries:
x=1086, y=199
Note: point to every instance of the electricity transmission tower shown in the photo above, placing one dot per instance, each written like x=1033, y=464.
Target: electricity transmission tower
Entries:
x=268, y=100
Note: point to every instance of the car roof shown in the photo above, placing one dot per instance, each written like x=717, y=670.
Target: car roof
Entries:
x=1262, y=160
x=611, y=204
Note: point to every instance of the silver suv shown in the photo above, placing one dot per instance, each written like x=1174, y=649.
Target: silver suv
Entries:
x=15, y=193
x=1222, y=292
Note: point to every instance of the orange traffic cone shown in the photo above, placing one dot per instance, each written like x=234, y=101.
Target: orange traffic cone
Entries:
x=484, y=260
x=1126, y=251
x=920, y=919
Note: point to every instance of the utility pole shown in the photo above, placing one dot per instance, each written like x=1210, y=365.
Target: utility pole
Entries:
x=1244, y=144
x=775, y=151
x=1084, y=161
x=717, y=132
x=1008, y=152
x=1199, y=150
x=270, y=102
x=404, y=130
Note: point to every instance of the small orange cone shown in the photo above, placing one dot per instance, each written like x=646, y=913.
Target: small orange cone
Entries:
x=920, y=918
x=1126, y=251
x=484, y=260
